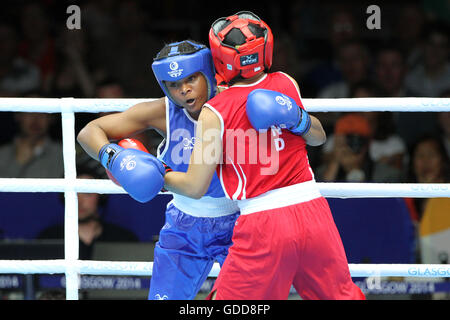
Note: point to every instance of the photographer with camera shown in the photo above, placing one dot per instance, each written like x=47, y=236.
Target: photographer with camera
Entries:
x=345, y=156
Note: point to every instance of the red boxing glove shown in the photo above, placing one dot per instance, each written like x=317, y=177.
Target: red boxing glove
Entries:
x=127, y=144
x=132, y=144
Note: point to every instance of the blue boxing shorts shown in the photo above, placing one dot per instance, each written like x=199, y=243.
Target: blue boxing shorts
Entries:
x=187, y=248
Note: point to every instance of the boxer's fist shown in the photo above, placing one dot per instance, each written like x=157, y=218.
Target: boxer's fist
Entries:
x=266, y=108
x=127, y=144
x=138, y=172
x=132, y=144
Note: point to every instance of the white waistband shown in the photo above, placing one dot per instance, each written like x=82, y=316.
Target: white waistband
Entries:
x=282, y=197
x=208, y=207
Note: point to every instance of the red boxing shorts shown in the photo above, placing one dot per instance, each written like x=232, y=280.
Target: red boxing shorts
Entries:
x=295, y=245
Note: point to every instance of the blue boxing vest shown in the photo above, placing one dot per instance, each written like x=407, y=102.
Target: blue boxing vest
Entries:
x=175, y=150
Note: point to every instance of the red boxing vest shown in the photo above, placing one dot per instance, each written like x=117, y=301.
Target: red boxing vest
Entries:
x=256, y=162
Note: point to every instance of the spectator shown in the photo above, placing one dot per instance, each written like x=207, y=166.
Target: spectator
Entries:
x=37, y=45
x=286, y=58
x=109, y=89
x=353, y=62
x=74, y=75
x=341, y=29
x=91, y=227
x=32, y=153
x=99, y=21
x=130, y=60
x=429, y=163
x=390, y=70
x=408, y=32
x=364, y=89
x=432, y=76
x=444, y=124
x=348, y=161
x=17, y=76
x=387, y=149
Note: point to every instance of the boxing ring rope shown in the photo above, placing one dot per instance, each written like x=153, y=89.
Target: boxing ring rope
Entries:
x=327, y=189
x=72, y=267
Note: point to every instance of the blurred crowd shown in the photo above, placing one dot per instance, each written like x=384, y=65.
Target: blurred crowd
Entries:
x=327, y=47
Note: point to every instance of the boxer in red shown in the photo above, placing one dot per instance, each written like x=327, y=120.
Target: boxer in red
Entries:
x=255, y=134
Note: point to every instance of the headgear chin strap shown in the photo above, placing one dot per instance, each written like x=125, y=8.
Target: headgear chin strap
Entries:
x=247, y=59
x=179, y=65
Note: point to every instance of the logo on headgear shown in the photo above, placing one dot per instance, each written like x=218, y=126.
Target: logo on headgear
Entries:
x=175, y=71
x=249, y=59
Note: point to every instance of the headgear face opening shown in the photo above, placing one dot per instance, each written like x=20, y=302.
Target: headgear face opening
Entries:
x=249, y=53
x=176, y=65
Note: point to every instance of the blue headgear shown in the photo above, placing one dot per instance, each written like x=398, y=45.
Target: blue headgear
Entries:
x=178, y=65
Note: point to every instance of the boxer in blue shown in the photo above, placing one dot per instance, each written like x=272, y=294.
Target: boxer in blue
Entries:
x=196, y=232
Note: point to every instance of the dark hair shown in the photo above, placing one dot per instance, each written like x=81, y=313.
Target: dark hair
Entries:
x=364, y=84
x=390, y=46
x=436, y=27
x=441, y=149
x=412, y=178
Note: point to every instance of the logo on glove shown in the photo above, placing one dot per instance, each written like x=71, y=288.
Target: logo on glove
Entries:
x=128, y=163
x=283, y=100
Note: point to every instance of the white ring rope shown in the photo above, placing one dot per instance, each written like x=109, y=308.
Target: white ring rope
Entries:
x=139, y=268
x=327, y=189
x=56, y=105
x=72, y=267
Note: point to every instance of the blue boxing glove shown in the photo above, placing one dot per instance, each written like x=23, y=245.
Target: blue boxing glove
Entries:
x=138, y=172
x=266, y=108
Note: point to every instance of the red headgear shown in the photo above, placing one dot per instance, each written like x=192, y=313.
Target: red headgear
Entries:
x=246, y=59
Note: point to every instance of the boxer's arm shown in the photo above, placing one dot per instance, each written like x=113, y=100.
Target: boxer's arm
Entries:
x=316, y=136
x=204, y=159
x=266, y=108
x=124, y=124
x=138, y=172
